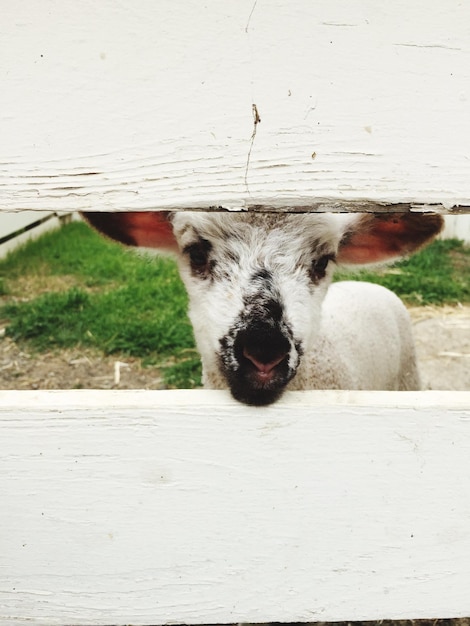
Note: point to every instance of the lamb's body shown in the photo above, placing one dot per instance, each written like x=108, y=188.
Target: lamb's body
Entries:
x=265, y=315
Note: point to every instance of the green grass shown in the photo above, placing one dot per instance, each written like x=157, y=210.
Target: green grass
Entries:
x=439, y=274
x=119, y=301
x=110, y=298
x=3, y=288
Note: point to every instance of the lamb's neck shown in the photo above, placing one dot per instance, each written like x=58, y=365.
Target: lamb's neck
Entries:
x=322, y=368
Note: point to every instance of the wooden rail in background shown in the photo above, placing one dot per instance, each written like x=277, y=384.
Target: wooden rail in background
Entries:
x=16, y=228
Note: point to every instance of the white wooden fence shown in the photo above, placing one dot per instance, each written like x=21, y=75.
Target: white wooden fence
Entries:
x=457, y=227
x=173, y=507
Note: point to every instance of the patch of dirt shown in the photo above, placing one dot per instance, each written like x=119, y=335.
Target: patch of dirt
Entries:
x=23, y=288
x=442, y=337
x=72, y=369
x=31, y=286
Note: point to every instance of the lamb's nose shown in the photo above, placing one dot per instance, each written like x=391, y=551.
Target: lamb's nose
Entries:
x=261, y=366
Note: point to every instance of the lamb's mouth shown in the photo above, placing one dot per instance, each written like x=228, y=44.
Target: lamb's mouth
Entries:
x=252, y=386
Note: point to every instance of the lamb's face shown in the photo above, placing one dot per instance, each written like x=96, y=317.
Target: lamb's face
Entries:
x=256, y=284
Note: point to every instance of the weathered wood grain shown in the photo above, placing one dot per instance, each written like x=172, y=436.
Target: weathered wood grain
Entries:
x=172, y=507
x=144, y=105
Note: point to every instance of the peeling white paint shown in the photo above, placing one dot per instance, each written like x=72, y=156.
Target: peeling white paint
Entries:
x=186, y=507
x=142, y=105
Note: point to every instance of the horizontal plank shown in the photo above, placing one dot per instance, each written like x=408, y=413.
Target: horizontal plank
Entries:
x=139, y=105
x=186, y=507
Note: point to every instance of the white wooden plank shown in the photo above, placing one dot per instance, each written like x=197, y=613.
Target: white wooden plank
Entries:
x=171, y=507
x=143, y=105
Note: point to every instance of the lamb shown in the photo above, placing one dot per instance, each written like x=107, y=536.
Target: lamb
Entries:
x=266, y=317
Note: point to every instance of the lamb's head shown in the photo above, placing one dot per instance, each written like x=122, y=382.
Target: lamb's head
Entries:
x=256, y=282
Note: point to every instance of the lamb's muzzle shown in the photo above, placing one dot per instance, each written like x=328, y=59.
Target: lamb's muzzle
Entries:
x=258, y=360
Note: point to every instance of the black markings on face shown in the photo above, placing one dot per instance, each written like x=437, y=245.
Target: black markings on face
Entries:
x=258, y=356
x=274, y=310
x=198, y=254
x=318, y=267
x=262, y=275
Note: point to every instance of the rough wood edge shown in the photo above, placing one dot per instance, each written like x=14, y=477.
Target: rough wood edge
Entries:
x=142, y=398
x=294, y=205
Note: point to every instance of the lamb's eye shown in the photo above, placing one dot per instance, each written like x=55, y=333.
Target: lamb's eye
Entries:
x=198, y=257
x=198, y=254
x=318, y=268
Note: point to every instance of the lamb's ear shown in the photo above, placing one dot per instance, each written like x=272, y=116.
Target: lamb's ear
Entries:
x=375, y=238
x=149, y=229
